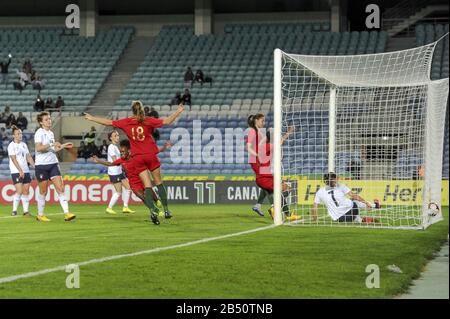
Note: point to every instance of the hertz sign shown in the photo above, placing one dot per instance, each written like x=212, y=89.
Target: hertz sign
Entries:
x=406, y=192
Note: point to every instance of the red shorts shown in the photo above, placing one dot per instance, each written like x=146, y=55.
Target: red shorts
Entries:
x=265, y=182
x=255, y=167
x=144, y=162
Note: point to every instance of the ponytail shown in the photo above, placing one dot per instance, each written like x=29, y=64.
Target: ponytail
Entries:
x=252, y=119
x=138, y=111
x=251, y=122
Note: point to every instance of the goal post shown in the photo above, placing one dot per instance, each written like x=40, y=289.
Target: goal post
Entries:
x=376, y=120
x=277, y=119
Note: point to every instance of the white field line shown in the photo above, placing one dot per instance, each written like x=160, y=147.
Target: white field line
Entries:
x=138, y=253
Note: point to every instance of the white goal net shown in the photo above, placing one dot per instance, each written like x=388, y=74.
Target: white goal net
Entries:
x=376, y=120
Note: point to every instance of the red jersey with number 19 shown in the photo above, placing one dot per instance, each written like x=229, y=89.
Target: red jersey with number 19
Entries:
x=140, y=134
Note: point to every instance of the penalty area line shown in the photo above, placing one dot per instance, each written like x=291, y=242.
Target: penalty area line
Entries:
x=138, y=253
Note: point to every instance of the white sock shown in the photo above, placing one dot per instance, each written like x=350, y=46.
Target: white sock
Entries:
x=357, y=219
x=16, y=202
x=25, y=203
x=41, y=204
x=258, y=205
x=64, y=203
x=126, y=197
x=363, y=205
x=114, y=199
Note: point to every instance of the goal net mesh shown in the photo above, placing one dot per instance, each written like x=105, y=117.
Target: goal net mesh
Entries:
x=375, y=120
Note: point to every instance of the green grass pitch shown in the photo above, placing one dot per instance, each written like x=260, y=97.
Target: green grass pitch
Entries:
x=280, y=262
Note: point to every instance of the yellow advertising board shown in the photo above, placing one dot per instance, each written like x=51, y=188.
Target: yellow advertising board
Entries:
x=401, y=192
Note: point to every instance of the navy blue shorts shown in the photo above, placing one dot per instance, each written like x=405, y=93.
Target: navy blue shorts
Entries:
x=350, y=215
x=117, y=178
x=18, y=180
x=47, y=172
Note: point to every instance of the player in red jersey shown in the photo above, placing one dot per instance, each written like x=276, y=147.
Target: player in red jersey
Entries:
x=264, y=176
x=136, y=184
x=139, y=129
x=253, y=141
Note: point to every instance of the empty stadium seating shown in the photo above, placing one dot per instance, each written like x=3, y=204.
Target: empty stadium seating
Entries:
x=72, y=66
x=240, y=62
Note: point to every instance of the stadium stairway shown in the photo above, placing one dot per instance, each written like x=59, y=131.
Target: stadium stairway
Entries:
x=116, y=82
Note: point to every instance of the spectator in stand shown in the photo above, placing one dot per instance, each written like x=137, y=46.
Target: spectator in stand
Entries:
x=8, y=117
x=89, y=140
x=199, y=77
x=187, y=98
x=21, y=122
x=4, y=70
x=176, y=99
x=38, y=84
x=22, y=82
x=27, y=67
x=103, y=150
x=49, y=103
x=33, y=75
x=153, y=113
x=188, y=76
x=83, y=151
x=59, y=103
x=39, y=104
x=4, y=135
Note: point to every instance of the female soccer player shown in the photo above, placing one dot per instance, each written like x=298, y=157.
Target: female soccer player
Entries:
x=342, y=204
x=19, y=158
x=139, y=129
x=125, y=160
x=254, y=139
x=264, y=177
x=117, y=177
x=47, y=167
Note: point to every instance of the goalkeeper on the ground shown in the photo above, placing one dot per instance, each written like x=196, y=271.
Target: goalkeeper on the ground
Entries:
x=342, y=204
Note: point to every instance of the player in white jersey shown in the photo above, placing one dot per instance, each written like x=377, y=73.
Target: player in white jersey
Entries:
x=117, y=177
x=47, y=167
x=19, y=158
x=342, y=204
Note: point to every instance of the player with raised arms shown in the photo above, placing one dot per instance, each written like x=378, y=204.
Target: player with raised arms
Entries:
x=342, y=204
x=144, y=151
x=117, y=177
x=47, y=167
x=19, y=158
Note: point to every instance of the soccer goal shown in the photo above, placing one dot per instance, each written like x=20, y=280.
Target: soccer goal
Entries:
x=376, y=120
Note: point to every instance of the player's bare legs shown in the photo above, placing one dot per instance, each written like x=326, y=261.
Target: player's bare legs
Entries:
x=156, y=174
